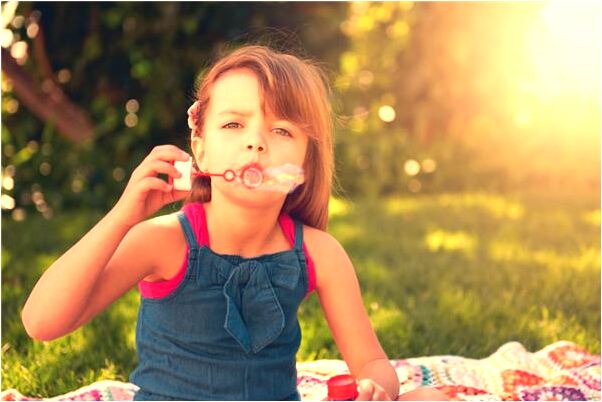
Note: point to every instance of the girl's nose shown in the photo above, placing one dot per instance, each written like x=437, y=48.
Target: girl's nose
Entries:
x=259, y=148
x=255, y=142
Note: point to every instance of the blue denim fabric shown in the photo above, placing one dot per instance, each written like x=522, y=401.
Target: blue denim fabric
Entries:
x=229, y=331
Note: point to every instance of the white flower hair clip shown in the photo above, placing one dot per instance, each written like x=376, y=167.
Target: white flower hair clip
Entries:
x=194, y=116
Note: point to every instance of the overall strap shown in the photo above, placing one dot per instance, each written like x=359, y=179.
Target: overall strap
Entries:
x=298, y=235
x=188, y=232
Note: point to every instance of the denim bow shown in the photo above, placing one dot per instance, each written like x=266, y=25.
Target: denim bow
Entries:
x=254, y=316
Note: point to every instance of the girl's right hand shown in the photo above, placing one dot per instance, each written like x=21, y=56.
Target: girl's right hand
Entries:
x=146, y=193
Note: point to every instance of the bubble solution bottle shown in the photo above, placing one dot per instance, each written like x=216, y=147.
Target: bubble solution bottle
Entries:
x=342, y=388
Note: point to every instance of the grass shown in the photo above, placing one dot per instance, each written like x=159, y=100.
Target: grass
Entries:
x=441, y=274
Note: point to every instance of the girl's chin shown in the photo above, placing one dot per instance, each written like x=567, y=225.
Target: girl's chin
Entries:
x=242, y=194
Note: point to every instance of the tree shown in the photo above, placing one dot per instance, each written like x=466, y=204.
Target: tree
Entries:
x=131, y=68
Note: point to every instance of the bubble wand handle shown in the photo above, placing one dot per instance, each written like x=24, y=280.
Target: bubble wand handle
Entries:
x=228, y=175
x=188, y=172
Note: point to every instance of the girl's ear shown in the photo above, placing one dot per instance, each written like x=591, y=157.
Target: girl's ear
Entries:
x=197, y=143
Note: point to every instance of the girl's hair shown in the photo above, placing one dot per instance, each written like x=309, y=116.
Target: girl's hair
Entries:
x=295, y=90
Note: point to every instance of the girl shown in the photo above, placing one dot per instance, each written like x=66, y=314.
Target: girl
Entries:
x=222, y=279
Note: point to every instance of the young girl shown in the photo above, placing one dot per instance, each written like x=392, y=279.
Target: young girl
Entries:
x=222, y=279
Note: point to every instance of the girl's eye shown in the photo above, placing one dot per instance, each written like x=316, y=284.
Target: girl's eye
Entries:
x=283, y=132
x=231, y=125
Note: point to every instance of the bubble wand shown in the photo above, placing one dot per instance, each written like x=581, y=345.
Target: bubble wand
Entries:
x=250, y=175
x=284, y=178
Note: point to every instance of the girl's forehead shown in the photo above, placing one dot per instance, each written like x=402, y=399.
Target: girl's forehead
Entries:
x=238, y=91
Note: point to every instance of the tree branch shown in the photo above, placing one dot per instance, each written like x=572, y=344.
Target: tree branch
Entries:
x=49, y=104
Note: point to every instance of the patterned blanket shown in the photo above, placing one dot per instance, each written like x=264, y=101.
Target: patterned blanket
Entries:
x=560, y=371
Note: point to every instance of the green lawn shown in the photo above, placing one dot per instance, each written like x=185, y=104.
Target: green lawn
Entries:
x=441, y=274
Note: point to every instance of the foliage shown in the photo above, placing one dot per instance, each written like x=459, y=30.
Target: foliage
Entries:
x=429, y=96
x=132, y=67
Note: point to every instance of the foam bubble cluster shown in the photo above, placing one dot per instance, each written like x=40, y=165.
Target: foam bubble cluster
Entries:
x=284, y=179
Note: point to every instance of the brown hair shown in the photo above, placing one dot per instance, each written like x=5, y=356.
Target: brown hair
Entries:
x=296, y=90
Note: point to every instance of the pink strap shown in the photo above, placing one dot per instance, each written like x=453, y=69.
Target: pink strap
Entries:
x=195, y=212
x=160, y=289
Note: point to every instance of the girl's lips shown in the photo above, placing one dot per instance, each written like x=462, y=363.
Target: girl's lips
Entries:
x=253, y=165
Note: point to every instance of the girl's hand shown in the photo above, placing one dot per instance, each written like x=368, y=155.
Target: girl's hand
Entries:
x=371, y=391
x=146, y=193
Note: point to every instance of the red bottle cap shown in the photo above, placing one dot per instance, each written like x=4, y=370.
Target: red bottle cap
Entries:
x=342, y=388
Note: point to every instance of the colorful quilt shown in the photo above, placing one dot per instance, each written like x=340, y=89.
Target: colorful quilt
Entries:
x=560, y=371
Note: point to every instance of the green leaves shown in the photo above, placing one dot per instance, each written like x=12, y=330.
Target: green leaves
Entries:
x=113, y=52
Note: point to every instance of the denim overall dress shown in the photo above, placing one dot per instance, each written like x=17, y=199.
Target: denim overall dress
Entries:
x=229, y=331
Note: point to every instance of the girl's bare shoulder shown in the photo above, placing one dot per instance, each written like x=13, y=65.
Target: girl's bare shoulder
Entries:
x=321, y=245
x=320, y=240
x=166, y=244
x=331, y=261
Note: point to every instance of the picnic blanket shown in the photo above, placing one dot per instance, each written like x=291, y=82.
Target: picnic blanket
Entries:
x=560, y=371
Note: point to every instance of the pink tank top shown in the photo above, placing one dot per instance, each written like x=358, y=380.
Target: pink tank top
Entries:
x=195, y=213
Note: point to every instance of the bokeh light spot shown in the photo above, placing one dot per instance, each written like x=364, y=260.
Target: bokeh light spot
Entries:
x=6, y=38
x=411, y=167
x=19, y=214
x=131, y=120
x=45, y=168
x=8, y=183
x=118, y=174
x=8, y=202
x=64, y=76
x=386, y=113
x=19, y=51
x=429, y=165
x=132, y=106
x=414, y=185
x=32, y=30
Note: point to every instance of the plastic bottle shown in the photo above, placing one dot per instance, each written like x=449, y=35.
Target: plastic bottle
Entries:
x=342, y=388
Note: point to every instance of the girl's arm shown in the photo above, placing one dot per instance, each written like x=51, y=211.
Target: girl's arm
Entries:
x=137, y=255
x=109, y=259
x=340, y=297
x=62, y=293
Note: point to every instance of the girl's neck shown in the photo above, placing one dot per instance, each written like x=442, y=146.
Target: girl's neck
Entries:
x=244, y=231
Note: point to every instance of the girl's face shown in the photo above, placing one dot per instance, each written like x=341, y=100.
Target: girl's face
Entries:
x=237, y=133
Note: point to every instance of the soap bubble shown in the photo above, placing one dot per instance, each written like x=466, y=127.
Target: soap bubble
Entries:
x=252, y=177
x=284, y=179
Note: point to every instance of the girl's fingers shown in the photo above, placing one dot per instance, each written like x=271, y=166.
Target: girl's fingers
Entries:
x=159, y=161
x=368, y=390
x=177, y=195
x=152, y=168
x=168, y=153
x=365, y=390
x=154, y=183
x=381, y=395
